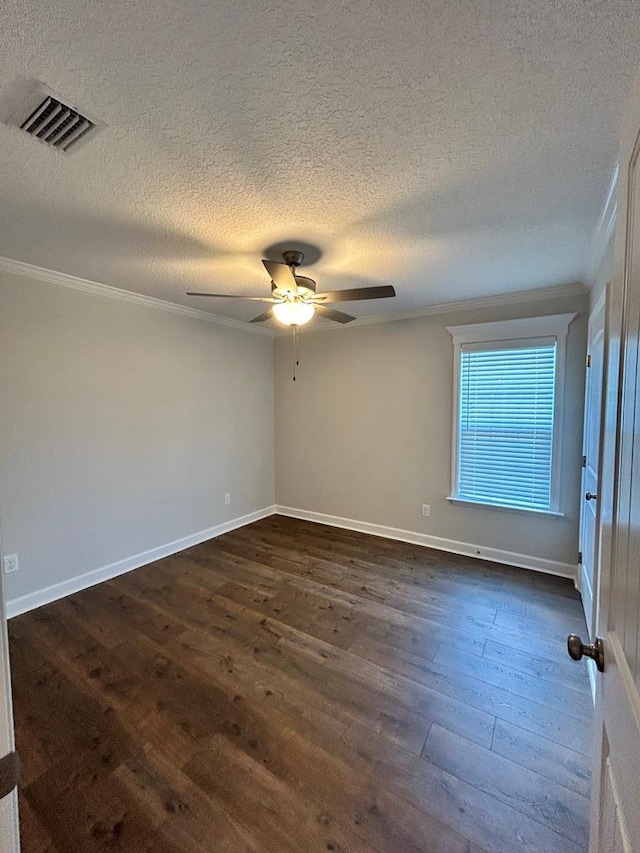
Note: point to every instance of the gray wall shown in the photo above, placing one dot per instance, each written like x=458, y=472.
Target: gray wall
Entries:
x=122, y=428
x=365, y=431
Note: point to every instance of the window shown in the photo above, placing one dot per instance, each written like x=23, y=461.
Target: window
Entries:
x=508, y=398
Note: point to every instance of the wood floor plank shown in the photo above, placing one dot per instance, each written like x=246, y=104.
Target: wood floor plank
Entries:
x=555, y=806
x=362, y=577
x=399, y=559
x=256, y=798
x=430, y=704
x=321, y=768
x=139, y=616
x=163, y=793
x=94, y=819
x=470, y=620
x=502, y=702
x=103, y=627
x=60, y=636
x=277, y=695
x=561, y=698
x=291, y=686
x=304, y=745
x=482, y=818
x=550, y=665
x=352, y=700
x=357, y=578
x=550, y=760
x=63, y=716
x=373, y=618
x=31, y=828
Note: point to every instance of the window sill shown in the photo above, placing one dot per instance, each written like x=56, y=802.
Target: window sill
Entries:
x=518, y=509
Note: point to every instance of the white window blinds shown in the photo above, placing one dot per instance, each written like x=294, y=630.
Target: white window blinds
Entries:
x=506, y=423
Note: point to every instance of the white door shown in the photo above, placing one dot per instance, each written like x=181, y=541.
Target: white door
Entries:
x=588, y=580
x=616, y=780
x=9, y=842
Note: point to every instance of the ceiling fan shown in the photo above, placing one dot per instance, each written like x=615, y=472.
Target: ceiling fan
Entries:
x=294, y=298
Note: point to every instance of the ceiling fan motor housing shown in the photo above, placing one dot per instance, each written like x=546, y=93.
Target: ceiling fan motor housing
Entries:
x=306, y=287
x=293, y=258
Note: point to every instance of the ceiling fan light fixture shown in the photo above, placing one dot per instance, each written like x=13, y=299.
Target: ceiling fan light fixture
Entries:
x=294, y=297
x=293, y=313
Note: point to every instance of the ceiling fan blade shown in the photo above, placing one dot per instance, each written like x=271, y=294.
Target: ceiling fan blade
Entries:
x=281, y=276
x=332, y=314
x=237, y=296
x=353, y=294
x=267, y=315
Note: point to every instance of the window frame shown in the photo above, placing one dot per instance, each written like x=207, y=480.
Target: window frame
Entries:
x=511, y=333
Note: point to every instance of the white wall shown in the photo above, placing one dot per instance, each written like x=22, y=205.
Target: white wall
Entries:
x=365, y=432
x=122, y=428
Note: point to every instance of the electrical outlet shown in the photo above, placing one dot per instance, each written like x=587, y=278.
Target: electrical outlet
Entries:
x=227, y=499
x=426, y=510
x=10, y=564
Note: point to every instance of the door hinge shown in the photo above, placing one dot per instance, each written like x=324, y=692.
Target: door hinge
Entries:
x=9, y=773
x=588, y=361
x=579, y=558
x=584, y=461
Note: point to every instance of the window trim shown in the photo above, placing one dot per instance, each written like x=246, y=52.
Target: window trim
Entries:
x=499, y=332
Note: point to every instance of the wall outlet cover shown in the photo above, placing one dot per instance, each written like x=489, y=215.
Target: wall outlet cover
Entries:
x=227, y=499
x=10, y=563
x=426, y=510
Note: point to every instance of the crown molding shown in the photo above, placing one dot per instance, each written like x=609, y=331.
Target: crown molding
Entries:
x=604, y=229
x=36, y=273
x=519, y=297
x=8, y=265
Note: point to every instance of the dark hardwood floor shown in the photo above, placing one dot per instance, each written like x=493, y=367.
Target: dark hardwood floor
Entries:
x=295, y=687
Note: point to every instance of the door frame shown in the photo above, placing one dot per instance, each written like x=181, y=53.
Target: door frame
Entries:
x=600, y=305
x=607, y=506
x=9, y=825
x=617, y=696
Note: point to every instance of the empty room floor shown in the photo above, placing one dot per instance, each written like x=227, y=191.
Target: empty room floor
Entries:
x=295, y=687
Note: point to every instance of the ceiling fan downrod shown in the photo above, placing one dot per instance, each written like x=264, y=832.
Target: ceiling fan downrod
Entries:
x=293, y=259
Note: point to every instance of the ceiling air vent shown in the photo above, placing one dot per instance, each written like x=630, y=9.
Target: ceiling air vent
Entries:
x=46, y=117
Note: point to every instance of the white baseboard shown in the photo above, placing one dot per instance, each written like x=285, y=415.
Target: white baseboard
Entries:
x=467, y=549
x=23, y=603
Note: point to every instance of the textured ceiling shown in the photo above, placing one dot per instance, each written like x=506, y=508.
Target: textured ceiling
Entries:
x=454, y=148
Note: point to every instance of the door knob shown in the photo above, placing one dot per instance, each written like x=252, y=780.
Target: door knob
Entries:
x=9, y=773
x=577, y=650
x=591, y=497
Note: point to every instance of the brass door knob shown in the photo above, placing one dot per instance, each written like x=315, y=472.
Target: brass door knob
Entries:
x=9, y=773
x=577, y=650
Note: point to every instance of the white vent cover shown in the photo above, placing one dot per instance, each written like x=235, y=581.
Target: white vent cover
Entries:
x=46, y=117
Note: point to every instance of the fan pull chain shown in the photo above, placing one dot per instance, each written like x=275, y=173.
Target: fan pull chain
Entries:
x=295, y=351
